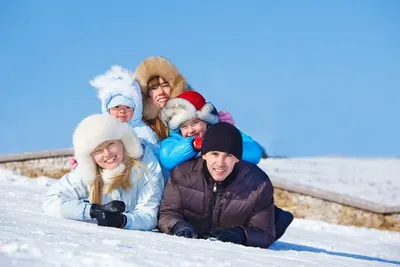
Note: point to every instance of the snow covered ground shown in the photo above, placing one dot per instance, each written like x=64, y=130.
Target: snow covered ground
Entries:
x=372, y=183
x=29, y=238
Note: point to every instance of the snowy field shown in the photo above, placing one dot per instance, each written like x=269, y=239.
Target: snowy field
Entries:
x=29, y=238
x=371, y=182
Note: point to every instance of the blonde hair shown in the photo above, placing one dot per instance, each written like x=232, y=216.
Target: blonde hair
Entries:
x=123, y=180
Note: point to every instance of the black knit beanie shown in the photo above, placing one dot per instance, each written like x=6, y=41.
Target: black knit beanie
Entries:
x=223, y=137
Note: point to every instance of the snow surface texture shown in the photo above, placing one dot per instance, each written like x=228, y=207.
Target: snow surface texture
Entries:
x=29, y=238
x=373, y=184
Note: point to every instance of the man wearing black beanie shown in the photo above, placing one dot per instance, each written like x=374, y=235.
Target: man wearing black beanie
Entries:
x=219, y=195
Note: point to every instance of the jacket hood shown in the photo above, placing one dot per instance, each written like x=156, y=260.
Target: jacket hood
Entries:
x=117, y=86
x=158, y=66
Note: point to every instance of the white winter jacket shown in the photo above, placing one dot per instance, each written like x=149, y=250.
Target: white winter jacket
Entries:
x=69, y=197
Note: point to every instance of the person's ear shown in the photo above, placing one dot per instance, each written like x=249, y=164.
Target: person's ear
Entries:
x=204, y=156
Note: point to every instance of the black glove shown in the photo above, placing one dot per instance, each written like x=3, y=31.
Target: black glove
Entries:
x=110, y=219
x=234, y=235
x=283, y=219
x=114, y=206
x=184, y=229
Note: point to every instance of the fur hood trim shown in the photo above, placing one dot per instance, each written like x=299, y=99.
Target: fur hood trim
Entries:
x=158, y=66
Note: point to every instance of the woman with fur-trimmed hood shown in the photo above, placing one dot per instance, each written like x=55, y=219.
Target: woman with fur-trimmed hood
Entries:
x=160, y=80
x=118, y=181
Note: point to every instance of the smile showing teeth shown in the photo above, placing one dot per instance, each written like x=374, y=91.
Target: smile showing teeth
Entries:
x=219, y=170
x=162, y=99
x=110, y=160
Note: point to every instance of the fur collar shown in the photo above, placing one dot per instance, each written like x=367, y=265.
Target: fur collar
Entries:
x=108, y=175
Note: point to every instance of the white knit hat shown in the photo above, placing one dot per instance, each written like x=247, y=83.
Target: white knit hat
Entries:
x=93, y=131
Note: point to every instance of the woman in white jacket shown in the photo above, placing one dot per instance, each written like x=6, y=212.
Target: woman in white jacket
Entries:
x=118, y=180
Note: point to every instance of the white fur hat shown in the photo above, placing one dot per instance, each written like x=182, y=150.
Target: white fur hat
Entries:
x=186, y=106
x=93, y=131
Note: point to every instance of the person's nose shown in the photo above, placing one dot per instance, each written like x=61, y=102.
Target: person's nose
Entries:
x=220, y=160
x=191, y=130
x=106, y=152
x=159, y=91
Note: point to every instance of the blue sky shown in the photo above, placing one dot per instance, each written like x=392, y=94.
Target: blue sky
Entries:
x=304, y=78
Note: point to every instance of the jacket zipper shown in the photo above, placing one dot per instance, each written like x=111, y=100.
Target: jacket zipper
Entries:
x=213, y=200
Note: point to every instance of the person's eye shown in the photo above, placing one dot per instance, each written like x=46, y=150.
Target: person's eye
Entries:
x=111, y=145
x=165, y=85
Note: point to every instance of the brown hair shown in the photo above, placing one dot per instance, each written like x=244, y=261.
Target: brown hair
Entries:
x=159, y=128
x=123, y=180
x=154, y=82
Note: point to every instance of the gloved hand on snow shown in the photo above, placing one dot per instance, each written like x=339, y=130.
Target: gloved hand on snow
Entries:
x=184, y=229
x=234, y=235
x=113, y=206
x=111, y=219
x=109, y=214
x=226, y=117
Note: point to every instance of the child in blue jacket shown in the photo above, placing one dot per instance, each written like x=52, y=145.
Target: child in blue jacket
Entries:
x=188, y=116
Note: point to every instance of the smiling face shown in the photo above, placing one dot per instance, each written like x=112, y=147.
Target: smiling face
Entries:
x=159, y=90
x=109, y=154
x=194, y=127
x=122, y=113
x=220, y=164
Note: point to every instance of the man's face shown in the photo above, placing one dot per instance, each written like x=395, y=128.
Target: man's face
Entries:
x=220, y=164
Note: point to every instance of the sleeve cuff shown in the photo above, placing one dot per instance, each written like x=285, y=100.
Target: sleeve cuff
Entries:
x=86, y=212
x=129, y=221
